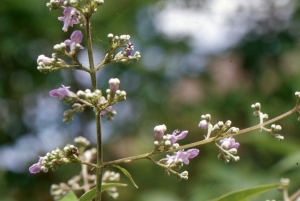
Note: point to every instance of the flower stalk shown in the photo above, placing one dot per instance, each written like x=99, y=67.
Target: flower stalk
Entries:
x=99, y=157
x=90, y=53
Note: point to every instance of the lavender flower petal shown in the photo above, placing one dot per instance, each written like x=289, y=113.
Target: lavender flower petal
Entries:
x=174, y=137
x=36, y=168
x=75, y=39
x=229, y=143
x=60, y=92
x=71, y=16
x=183, y=156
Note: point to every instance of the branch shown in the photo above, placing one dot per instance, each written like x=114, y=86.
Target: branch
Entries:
x=199, y=143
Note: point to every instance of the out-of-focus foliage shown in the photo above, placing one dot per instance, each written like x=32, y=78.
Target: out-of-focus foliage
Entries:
x=162, y=88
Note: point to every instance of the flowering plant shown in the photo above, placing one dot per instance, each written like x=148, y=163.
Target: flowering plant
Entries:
x=93, y=179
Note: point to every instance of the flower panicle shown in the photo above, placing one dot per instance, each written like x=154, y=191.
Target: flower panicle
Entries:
x=165, y=142
x=228, y=149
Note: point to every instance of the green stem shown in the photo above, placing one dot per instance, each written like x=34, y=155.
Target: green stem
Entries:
x=99, y=157
x=202, y=142
x=90, y=53
x=97, y=113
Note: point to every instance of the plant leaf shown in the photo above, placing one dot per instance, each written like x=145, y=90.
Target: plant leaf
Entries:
x=70, y=196
x=91, y=194
x=127, y=174
x=246, y=194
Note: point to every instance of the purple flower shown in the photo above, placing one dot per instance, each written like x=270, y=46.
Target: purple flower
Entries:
x=36, y=168
x=114, y=84
x=61, y=93
x=75, y=39
x=45, y=60
x=175, y=136
x=159, y=131
x=128, y=49
x=71, y=16
x=182, y=156
x=229, y=143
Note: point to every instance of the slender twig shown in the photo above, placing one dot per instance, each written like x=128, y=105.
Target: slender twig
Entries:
x=202, y=142
x=84, y=174
x=285, y=194
x=83, y=162
x=90, y=53
x=163, y=166
x=295, y=195
x=107, y=57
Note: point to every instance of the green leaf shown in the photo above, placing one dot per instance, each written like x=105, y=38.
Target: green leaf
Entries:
x=91, y=194
x=70, y=196
x=246, y=194
x=127, y=174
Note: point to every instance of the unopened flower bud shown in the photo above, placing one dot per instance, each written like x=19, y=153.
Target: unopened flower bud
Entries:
x=114, y=84
x=228, y=123
x=89, y=95
x=234, y=129
x=285, y=181
x=80, y=94
x=65, y=160
x=233, y=151
x=236, y=158
x=45, y=60
x=203, y=124
x=98, y=92
x=167, y=143
x=159, y=131
x=220, y=124
x=123, y=93
x=184, y=175
x=67, y=149
x=175, y=146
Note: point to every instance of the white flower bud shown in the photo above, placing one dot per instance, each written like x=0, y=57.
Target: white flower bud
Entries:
x=123, y=93
x=167, y=143
x=114, y=84
x=236, y=158
x=233, y=151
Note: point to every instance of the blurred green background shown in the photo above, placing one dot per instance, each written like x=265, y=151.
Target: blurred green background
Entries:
x=198, y=57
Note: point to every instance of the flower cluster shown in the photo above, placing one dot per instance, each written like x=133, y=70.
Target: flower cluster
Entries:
x=168, y=141
x=219, y=129
x=274, y=128
x=55, y=159
x=173, y=163
x=124, y=56
x=181, y=156
x=46, y=64
x=37, y=167
x=228, y=149
x=93, y=99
